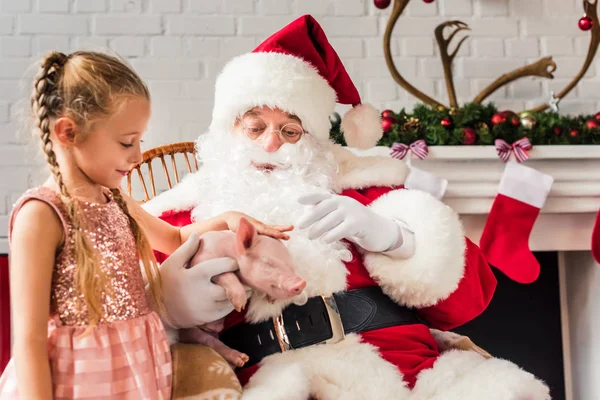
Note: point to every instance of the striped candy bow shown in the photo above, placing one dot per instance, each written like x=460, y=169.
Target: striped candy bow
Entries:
x=519, y=147
x=419, y=149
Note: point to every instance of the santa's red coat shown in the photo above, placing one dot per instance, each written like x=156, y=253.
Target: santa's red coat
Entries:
x=410, y=347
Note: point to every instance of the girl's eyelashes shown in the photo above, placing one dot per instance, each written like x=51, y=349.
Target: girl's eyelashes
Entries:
x=128, y=145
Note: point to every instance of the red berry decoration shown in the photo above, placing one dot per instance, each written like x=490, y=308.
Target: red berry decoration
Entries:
x=446, y=122
x=382, y=4
x=592, y=124
x=498, y=118
x=574, y=133
x=557, y=130
x=387, y=124
x=586, y=23
x=469, y=136
x=388, y=114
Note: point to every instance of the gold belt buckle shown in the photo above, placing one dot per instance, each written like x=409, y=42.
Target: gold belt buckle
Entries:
x=335, y=319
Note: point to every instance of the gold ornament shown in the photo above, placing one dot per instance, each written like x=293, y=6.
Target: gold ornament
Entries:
x=441, y=108
x=528, y=121
x=411, y=124
x=453, y=111
x=482, y=127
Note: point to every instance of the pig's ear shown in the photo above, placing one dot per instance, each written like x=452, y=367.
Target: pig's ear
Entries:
x=245, y=236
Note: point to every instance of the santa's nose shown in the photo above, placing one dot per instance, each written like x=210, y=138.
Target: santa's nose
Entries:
x=272, y=143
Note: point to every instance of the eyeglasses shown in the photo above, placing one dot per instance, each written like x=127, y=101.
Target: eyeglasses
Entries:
x=258, y=130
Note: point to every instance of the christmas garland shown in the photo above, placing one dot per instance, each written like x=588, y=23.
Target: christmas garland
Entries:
x=477, y=124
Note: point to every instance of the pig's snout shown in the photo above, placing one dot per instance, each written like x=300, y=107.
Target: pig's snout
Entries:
x=296, y=286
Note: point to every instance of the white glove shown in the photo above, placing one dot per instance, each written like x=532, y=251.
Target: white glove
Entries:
x=334, y=217
x=189, y=295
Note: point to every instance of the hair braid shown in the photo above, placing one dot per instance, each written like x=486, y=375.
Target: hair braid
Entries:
x=146, y=255
x=47, y=103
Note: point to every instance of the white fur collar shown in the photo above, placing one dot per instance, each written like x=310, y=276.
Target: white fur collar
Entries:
x=359, y=172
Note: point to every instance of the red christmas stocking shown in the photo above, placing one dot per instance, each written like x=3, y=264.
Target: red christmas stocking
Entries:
x=505, y=239
x=596, y=239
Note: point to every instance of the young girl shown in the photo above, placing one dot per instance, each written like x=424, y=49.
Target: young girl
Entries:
x=77, y=241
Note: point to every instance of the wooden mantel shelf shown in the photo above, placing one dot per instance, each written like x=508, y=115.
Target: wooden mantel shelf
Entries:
x=474, y=172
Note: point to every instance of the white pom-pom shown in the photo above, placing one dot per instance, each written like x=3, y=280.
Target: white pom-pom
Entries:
x=362, y=126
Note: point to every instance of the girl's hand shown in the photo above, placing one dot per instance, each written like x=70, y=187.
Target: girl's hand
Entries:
x=232, y=219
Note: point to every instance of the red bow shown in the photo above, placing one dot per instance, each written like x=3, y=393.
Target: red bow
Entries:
x=419, y=149
x=519, y=147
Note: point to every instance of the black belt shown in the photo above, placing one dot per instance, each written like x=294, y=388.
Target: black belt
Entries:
x=317, y=322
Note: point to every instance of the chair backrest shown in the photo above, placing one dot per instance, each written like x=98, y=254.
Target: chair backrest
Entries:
x=184, y=148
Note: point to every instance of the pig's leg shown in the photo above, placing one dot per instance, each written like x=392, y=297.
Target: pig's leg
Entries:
x=198, y=335
x=234, y=289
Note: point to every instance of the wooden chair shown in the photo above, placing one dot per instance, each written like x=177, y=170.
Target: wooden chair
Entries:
x=184, y=148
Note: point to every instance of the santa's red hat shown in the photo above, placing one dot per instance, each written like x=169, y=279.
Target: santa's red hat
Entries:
x=296, y=70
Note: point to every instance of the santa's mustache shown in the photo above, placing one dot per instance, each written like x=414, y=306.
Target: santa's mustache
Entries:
x=286, y=156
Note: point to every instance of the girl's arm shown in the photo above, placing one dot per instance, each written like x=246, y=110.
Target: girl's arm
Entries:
x=163, y=236
x=166, y=238
x=36, y=234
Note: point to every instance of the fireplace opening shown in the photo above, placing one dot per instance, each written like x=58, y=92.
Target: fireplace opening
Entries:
x=523, y=324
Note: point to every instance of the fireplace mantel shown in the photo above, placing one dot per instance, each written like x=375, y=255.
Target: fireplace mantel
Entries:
x=474, y=172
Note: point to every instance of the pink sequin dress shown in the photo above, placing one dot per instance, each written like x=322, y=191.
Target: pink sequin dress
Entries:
x=126, y=355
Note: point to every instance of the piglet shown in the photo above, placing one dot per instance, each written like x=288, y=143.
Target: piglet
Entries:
x=265, y=265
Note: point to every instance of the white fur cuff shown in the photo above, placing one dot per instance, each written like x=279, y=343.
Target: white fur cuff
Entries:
x=437, y=266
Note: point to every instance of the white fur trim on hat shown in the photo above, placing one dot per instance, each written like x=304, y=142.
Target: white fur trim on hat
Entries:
x=273, y=80
x=362, y=126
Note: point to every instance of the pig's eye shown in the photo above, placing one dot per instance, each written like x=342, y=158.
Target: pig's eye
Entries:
x=268, y=263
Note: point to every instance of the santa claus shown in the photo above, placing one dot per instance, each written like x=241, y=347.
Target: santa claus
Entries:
x=383, y=264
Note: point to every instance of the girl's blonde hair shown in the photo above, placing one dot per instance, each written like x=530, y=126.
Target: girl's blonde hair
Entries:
x=86, y=87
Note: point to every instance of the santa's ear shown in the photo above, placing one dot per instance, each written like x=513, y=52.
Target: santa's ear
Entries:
x=245, y=236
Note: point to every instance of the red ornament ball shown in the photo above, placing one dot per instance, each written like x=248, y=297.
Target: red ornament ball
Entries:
x=574, y=133
x=586, y=23
x=388, y=114
x=382, y=4
x=428, y=1
x=557, y=130
x=446, y=122
x=387, y=124
x=592, y=124
x=469, y=136
x=511, y=117
x=498, y=118
x=597, y=116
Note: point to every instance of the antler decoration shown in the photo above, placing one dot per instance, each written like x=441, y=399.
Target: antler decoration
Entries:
x=591, y=10
x=544, y=67
x=399, y=6
x=448, y=59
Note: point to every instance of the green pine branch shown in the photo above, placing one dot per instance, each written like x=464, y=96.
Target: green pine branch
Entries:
x=550, y=128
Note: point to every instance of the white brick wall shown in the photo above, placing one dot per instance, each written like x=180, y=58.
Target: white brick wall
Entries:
x=179, y=46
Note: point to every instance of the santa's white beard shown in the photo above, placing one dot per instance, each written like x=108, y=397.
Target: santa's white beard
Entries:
x=228, y=180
